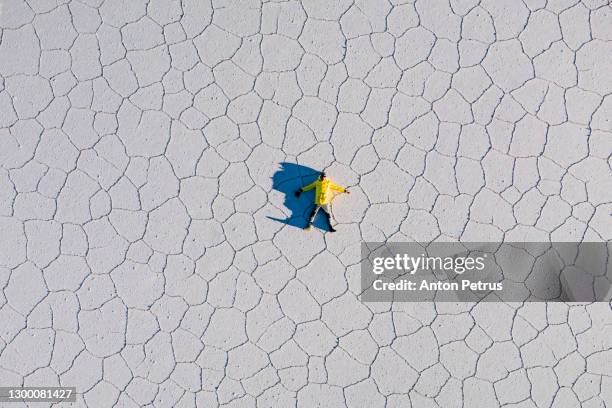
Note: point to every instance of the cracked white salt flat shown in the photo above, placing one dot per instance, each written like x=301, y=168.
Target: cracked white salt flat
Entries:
x=149, y=149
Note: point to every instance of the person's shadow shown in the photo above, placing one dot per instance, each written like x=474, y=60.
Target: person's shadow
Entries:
x=287, y=180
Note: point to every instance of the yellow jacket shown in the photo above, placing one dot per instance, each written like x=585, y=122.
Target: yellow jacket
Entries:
x=323, y=195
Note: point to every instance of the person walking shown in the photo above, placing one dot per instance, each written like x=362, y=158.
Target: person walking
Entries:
x=324, y=194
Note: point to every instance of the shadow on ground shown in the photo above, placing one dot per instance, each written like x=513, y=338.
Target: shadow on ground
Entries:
x=289, y=178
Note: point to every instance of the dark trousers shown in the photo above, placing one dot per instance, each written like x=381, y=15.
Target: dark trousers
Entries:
x=326, y=210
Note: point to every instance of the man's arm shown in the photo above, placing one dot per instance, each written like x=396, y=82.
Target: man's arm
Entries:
x=309, y=187
x=336, y=187
x=306, y=188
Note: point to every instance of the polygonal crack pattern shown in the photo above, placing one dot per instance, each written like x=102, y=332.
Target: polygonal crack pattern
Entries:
x=140, y=258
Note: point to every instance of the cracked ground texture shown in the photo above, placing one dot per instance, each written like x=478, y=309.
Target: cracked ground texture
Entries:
x=139, y=257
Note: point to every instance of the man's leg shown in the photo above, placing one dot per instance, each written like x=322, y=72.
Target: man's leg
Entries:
x=313, y=214
x=327, y=210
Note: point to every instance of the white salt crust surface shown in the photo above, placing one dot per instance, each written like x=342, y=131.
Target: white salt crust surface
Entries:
x=141, y=145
